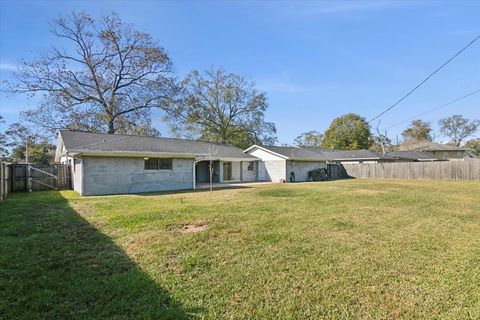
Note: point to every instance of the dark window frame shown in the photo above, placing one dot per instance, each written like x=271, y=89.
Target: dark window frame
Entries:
x=251, y=166
x=163, y=164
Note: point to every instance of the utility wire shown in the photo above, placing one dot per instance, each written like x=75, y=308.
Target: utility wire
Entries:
x=424, y=80
x=435, y=109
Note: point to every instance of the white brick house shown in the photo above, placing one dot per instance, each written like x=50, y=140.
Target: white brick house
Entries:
x=115, y=164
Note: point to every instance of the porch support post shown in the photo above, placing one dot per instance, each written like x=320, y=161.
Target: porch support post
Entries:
x=194, y=167
x=241, y=171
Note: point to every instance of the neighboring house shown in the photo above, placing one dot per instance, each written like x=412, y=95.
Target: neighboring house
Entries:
x=441, y=151
x=409, y=156
x=351, y=156
x=113, y=164
x=278, y=163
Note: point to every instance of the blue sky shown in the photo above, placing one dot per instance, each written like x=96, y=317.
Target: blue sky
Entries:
x=315, y=60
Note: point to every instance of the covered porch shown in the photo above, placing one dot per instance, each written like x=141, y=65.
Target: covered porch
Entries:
x=225, y=171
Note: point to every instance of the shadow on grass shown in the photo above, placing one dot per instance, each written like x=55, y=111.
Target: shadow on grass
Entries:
x=54, y=264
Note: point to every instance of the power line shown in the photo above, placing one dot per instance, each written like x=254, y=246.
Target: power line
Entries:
x=424, y=80
x=435, y=109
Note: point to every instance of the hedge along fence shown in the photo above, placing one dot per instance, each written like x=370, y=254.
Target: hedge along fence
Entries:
x=449, y=170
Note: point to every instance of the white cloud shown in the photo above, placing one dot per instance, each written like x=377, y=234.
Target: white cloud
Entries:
x=8, y=67
x=280, y=83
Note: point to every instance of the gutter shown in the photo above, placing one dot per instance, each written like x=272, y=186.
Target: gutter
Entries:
x=80, y=152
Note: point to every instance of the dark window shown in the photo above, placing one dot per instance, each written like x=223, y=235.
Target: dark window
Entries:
x=158, y=164
x=251, y=166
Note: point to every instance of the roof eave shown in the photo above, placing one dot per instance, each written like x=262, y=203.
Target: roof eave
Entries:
x=357, y=159
x=142, y=154
x=307, y=159
x=80, y=153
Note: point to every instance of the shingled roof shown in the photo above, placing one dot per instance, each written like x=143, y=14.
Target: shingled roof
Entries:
x=335, y=154
x=293, y=153
x=323, y=154
x=430, y=146
x=413, y=155
x=86, y=142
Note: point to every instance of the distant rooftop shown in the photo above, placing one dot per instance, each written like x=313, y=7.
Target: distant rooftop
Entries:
x=325, y=154
x=430, y=146
x=412, y=155
x=296, y=152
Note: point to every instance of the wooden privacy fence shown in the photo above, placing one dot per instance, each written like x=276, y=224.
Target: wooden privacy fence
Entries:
x=23, y=177
x=336, y=171
x=5, y=185
x=452, y=170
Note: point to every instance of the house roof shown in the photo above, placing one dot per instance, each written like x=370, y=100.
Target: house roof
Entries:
x=412, y=155
x=295, y=153
x=321, y=154
x=430, y=146
x=100, y=143
x=335, y=154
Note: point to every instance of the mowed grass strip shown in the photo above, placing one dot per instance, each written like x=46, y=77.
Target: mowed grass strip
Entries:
x=341, y=249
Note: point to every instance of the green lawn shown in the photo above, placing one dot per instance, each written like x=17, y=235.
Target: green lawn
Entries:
x=342, y=249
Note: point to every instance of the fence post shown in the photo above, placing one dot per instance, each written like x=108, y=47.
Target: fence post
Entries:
x=29, y=178
x=2, y=178
x=55, y=170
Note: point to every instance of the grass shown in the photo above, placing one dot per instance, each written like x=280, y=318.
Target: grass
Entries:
x=342, y=249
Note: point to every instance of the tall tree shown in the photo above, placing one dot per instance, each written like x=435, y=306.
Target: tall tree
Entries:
x=109, y=79
x=349, y=132
x=309, y=139
x=222, y=107
x=18, y=138
x=457, y=128
x=473, y=145
x=3, y=142
x=417, y=131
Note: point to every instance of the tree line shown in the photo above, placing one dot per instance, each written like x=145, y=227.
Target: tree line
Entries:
x=115, y=79
x=352, y=131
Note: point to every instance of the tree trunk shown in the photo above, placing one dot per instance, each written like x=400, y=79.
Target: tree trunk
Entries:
x=111, y=127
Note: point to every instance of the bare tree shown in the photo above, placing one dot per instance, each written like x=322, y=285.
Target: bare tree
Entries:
x=109, y=79
x=457, y=128
x=381, y=141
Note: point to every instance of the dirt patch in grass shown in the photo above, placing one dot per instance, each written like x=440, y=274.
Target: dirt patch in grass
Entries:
x=192, y=228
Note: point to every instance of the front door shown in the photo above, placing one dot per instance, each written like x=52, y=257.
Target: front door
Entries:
x=227, y=171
